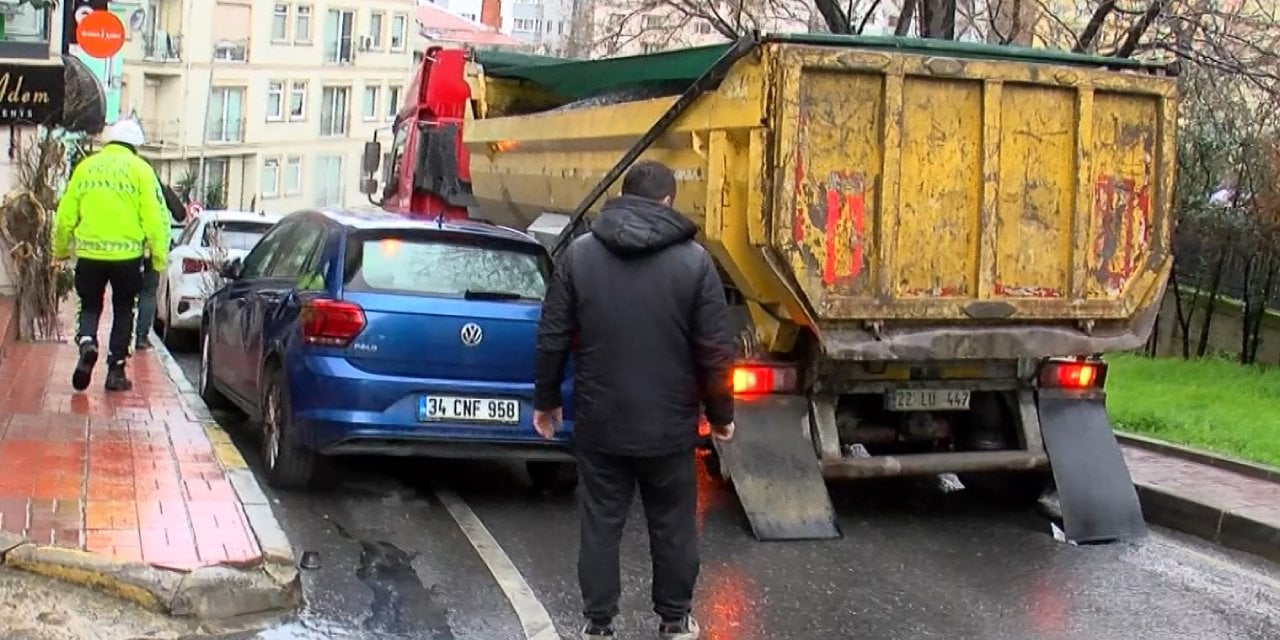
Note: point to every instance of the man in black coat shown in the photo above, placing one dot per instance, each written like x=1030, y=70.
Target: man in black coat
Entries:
x=653, y=351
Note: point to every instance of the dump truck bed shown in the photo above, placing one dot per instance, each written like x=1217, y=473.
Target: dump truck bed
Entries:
x=917, y=201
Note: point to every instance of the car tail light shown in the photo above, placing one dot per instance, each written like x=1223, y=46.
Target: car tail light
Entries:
x=331, y=323
x=759, y=379
x=1073, y=374
x=192, y=265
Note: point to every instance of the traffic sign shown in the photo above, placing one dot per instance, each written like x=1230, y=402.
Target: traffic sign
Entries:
x=100, y=34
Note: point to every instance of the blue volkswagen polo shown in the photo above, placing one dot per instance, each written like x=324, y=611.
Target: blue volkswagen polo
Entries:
x=372, y=333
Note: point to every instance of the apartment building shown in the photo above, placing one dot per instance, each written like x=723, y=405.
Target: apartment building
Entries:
x=288, y=93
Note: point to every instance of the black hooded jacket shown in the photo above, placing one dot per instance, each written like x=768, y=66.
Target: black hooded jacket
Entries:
x=642, y=307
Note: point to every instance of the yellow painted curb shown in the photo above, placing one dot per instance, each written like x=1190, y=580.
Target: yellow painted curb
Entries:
x=81, y=568
x=223, y=449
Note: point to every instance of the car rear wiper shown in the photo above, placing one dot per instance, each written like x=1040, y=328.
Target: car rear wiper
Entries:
x=480, y=294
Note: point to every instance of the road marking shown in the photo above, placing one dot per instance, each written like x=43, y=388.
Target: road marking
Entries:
x=533, y=616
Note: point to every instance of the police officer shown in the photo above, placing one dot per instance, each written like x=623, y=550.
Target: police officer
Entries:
x=114, y=209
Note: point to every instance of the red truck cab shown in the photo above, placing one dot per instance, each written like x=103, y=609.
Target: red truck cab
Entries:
x=427, y=172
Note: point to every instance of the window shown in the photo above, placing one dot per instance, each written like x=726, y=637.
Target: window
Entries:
x=399, y=27
x=393, y=102
x=376, y=25
x=425, y=264
x=334, y=103
x=238, y=235
x=231, y=52
x=653, y=22
x=338, y=29
x=275, y=100
x=270, y=177
x=469, y=16
x=280, y=23
x=259, y=260
x=616, y=19
x=702, y=27
x=328, y=181
x=650, y=47
x=226, y=117
x=293, y=175
x=302, y=24
x=527, y=25
x=298, y=100
x=370, y=111
x=26, y=31
x=297, y=250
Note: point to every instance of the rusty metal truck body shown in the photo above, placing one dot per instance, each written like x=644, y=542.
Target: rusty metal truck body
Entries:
x=927, y=246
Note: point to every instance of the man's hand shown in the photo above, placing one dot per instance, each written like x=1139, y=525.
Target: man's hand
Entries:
x=546, y=422
x=723, y=434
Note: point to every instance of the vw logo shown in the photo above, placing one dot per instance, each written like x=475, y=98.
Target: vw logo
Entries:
x=471, y=334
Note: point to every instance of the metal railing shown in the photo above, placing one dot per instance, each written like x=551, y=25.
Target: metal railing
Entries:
x=162, y=133
x=162, y=47
x=224, y=131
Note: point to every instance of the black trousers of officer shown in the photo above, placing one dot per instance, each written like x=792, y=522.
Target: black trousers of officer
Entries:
x=669, y=492
x=92, y=278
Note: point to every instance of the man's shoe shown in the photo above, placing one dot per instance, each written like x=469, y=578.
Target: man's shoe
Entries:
x=84, y=367
x=686, y=629
x=116, y=379
x=142, y=345
x=592, y=630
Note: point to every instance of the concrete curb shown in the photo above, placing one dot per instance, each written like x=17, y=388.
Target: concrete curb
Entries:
x=1168, y=508
x=207, y=593
x=1249, y=469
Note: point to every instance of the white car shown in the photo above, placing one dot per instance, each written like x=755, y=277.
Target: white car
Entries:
x=195, y=258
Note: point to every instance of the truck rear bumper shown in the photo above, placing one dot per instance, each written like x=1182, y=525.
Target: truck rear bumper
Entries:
x=932, y=464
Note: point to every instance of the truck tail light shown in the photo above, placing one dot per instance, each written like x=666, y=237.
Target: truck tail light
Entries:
x=192, y=265
x=331, y=323
x=1071, y=374
x=761, y=379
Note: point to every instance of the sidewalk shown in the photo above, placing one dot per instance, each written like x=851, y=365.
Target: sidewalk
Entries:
x=133, y=478
x=1236, y=505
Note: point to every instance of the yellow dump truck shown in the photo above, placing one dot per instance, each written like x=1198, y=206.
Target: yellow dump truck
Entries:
x=928, y=244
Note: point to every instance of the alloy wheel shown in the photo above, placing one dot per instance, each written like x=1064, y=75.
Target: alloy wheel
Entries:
x=271, y=427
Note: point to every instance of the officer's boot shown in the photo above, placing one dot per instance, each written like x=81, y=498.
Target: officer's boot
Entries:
x=116, y=378
x=84, y=366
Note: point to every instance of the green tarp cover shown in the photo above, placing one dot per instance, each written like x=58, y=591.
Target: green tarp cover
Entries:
x=577, y=79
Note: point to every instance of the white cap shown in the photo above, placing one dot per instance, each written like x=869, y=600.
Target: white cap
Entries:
x=126, y=131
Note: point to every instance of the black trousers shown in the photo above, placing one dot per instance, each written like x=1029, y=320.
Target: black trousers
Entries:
x=92, y=278
x=669, y=491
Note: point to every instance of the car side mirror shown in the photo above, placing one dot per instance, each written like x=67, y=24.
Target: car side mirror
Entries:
x=231, y=269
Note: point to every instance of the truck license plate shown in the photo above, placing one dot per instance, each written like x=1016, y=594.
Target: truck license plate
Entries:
x=458, y=409
x=927, y=400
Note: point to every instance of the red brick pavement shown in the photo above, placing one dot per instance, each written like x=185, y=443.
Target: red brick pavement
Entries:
x=127, y=475
x=1220, y=488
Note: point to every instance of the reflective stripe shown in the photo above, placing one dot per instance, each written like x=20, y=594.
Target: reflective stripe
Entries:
x=106, y=246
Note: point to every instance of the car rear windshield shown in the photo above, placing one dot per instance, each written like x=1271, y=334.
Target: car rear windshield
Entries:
x=440, y=266
x=235, y=234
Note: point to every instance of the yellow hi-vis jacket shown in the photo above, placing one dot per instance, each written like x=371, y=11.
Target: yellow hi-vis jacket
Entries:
x=114, y=207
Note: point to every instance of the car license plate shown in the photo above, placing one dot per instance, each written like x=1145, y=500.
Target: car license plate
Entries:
x=460, y=409
x=927, y=400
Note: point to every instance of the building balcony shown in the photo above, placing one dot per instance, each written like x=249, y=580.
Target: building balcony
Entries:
x=163, y=134
x=162, y=47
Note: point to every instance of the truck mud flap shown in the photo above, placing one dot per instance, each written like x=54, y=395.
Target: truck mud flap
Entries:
x=775, y=471
x=1099, y=502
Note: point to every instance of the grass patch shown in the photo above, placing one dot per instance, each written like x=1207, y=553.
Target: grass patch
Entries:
x=1209, y=404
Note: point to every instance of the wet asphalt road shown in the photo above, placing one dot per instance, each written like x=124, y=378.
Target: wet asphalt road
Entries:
x=913, y=564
